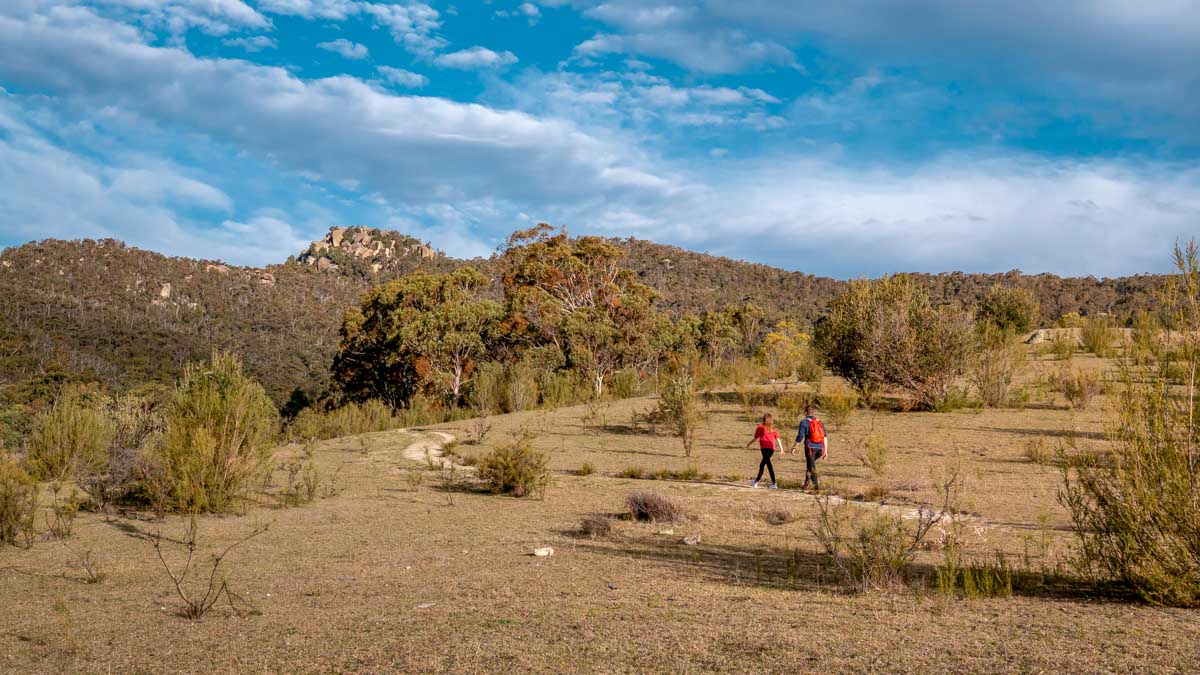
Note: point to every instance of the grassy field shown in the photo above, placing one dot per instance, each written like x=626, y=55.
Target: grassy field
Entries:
x=395, y=572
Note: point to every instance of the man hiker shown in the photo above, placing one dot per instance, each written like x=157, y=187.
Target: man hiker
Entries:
x=812, y=435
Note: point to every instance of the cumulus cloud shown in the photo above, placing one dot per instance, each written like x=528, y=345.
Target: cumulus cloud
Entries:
x=215, y=17
x=403, y=78
x=348, y=49
x=251, y=44
x=415, y=148
x=475, y=58
x=413, y=25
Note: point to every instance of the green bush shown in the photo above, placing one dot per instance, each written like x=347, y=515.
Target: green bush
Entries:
x=1009, y=309
x=515, y=469
x=1135, y=505
x=837, y=405
x=69, y=437
x=1098, y=335
x=18, y=503
x=220, y=430
x=635, y=472
x=679, y=409
x=586, y=470
x=349, y=420
x=995, y=366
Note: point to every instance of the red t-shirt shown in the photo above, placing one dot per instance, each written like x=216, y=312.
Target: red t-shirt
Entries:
x=766, y=437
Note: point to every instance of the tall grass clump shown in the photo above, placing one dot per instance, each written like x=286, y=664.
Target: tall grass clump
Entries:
x=679, y=409
x=350, y=419
x=70, y=436
x=1098, y=335
x=1135, y=505
x=217, y=447
x=996, y=363
x=837, y=405
x=516, y=469
x=18, y=502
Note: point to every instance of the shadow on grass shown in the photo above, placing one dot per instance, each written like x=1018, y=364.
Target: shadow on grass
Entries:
x=797, y=568
x=1049, y=433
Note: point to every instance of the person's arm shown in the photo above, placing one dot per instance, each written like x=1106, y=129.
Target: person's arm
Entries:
x=825, y=448
x=757, y=432
x=801, y=434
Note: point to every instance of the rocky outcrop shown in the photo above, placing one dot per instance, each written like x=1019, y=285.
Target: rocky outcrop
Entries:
x=378, y=250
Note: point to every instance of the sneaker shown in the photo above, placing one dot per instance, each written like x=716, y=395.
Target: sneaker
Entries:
x=774, y=486
x=753, y=483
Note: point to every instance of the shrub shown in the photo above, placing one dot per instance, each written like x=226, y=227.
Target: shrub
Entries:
x=487, y=388
x=635, y=472
x=1098, y=335
x=1134, y=505
x=1037, y=452
x=680, y=409
x=595, y=526
x=69, y=437
x=837, y=406
x=350, y=419
x=995, y=365
x=586, y=470
x=217, y=447
x=655, y=507
x=876, y=456
x=777, y=516
x=117, y=481
x=520, y=389
x=888, y=332
x=1062, y=346
x=874, y=551
x=1078, y=386
x=18, y=503
x=1009, y=309
x=516, y=469
x=199, y=590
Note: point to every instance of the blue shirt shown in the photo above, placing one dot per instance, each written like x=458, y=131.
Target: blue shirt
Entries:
x=803, y=435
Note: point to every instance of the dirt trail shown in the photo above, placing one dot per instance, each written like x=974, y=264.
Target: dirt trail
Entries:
x=429, y=448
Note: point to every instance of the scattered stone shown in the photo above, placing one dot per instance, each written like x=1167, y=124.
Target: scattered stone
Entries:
x=426, y=605
x=665, y=532
x=543, y=552
x=612, y=587
x=691, y=539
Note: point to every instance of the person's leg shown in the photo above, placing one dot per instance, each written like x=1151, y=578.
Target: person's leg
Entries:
x=762, y=464
x=767, y=459
x=810, y=468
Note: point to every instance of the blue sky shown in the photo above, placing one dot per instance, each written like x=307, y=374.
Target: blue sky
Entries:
x=844, y=139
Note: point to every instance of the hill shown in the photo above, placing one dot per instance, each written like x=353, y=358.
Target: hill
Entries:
x=123, y=315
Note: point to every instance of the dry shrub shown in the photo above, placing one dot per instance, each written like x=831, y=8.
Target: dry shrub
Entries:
x=874, y=551
x=595, y=526
x=69, y=437
x=199, y=591
x=1037, y=451
x=218, y=442
x=791, y=406
x=995, y=365
x=1078, y=386
x=1062, y=346
x=18, y=503
x=837, y=405
x=516, y=469
x=302, y=480
x=350, y=419
x=680, y=410
x=777, y=516
x=875, y=458
x=1009, y=309
x=586, y=470
x=1135, y=506
x=655, y=507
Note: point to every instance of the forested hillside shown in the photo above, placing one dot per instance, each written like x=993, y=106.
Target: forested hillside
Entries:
x=124, y=316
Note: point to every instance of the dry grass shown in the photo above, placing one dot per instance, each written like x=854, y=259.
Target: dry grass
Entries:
x=376, y=577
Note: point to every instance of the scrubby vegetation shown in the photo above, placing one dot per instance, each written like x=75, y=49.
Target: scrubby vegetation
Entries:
x=18, y=502
x=515, y=468
x=1134, y=503
x=655, y=507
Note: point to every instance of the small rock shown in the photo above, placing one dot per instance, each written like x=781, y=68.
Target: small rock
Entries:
x=692, y=539
x=426, y=605
x=543, y=552
x=612, y=587
x=665, y=532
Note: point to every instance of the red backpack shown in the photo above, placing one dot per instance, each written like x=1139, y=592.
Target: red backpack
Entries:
x=816, y=432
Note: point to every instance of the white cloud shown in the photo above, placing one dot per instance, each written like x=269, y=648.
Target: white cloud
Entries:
x=311, y=9
x=403, y=78
x=348, y=49
x=215, y=17
x=475, y=58
x=251, y=44
x=413, y=25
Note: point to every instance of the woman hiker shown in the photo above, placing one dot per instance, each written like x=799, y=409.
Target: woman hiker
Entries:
x=768, y=440
x=812, y=435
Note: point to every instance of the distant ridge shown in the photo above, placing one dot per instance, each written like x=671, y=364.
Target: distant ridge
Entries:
x=125, y=315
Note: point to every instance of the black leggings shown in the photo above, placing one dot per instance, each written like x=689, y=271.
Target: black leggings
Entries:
x=766, y=463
